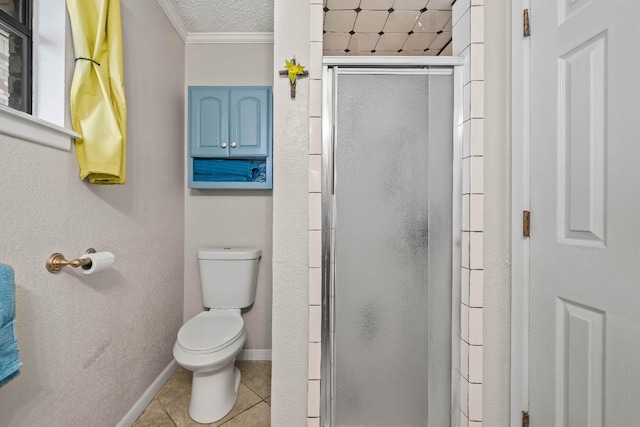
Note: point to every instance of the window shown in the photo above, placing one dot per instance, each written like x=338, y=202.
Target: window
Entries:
x=41, y=116
x=16, y=46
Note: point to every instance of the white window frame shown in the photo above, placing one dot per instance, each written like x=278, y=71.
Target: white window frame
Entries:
x=46, y=125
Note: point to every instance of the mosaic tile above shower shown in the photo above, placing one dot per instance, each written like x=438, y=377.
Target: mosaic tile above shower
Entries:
x=387, y=27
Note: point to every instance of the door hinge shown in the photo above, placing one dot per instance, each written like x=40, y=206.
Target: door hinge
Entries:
x=525, y=22
x=525, y=419
x=526, y=223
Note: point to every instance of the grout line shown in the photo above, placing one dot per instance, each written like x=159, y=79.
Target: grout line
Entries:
x=231, y=419
x=167, y=412
x=141, y=417
x=175, y=422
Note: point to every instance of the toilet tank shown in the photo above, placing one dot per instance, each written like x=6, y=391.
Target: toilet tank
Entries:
x=228, y=276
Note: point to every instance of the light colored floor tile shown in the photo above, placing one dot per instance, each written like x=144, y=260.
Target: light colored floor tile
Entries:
x=170, y=408
x=177, y=405
x=256, y=374
x=258, y=416
x=154, y=416
x=180, y=379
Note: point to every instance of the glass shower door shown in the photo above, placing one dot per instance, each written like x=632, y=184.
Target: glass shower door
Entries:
x=391, y=239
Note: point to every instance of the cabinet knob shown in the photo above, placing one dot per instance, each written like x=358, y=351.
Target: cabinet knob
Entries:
x=233, y=145
x=223, y=145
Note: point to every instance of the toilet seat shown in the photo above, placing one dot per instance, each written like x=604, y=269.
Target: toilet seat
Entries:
x=210, y=331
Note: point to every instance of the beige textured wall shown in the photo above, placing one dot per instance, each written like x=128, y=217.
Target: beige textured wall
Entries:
x=230, y=217
x=91, y=345
x=497, y=208
x=290, y=220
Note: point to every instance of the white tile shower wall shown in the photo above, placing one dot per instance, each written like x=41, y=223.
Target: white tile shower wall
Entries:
x=468, y=39
x=315, y=188
x=315, y=286
x=314, y=399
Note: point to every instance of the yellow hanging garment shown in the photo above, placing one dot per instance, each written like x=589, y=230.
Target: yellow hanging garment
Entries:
x=98, y=109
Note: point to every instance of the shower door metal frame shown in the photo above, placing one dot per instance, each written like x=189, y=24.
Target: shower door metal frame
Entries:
x=332, y=67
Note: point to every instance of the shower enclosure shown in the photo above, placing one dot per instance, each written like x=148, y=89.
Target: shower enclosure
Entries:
x=390, y=227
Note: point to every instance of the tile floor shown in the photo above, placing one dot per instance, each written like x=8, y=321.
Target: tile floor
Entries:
x=252, y=409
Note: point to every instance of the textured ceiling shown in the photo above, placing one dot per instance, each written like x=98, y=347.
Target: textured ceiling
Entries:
x=351, y=27
x=220, y=16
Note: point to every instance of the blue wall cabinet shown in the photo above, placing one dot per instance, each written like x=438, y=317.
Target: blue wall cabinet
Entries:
x=232, y=124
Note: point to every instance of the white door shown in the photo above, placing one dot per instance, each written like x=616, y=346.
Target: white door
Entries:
x=585, y=206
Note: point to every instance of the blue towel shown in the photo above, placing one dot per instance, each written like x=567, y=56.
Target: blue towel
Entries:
x=9, y=358
x=219, y=177
x=229, y=170
x=224, y=167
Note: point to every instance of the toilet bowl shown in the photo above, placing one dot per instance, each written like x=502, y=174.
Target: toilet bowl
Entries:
x=208, y=344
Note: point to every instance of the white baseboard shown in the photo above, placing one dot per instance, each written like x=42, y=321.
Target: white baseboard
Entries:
x=254, y=354
x=148, y=396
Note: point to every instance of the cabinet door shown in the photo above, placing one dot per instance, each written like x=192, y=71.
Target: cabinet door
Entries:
x=250, y=122
x=209, y=121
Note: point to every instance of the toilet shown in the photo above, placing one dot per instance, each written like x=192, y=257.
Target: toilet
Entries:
x=209, y=343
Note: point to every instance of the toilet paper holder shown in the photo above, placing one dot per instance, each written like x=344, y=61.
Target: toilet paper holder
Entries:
x=56, y=261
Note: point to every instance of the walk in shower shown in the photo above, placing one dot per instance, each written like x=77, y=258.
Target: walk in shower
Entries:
x=390, y=227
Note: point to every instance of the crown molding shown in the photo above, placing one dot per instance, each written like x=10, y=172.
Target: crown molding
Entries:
x=253, y=37
x=188, y=37
x=173, y=16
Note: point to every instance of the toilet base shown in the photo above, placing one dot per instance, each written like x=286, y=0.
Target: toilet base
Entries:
x=213, y=394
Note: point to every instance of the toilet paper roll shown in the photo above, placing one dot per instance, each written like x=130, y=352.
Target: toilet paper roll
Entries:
x=99, y=261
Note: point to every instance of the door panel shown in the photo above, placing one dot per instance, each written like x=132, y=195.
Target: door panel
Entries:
x=208, y=121
x=250, y=118
x=580, y=364
x=582, y=141
x=585, y=246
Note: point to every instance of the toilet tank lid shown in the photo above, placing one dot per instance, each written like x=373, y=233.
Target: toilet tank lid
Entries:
x=229, y=253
